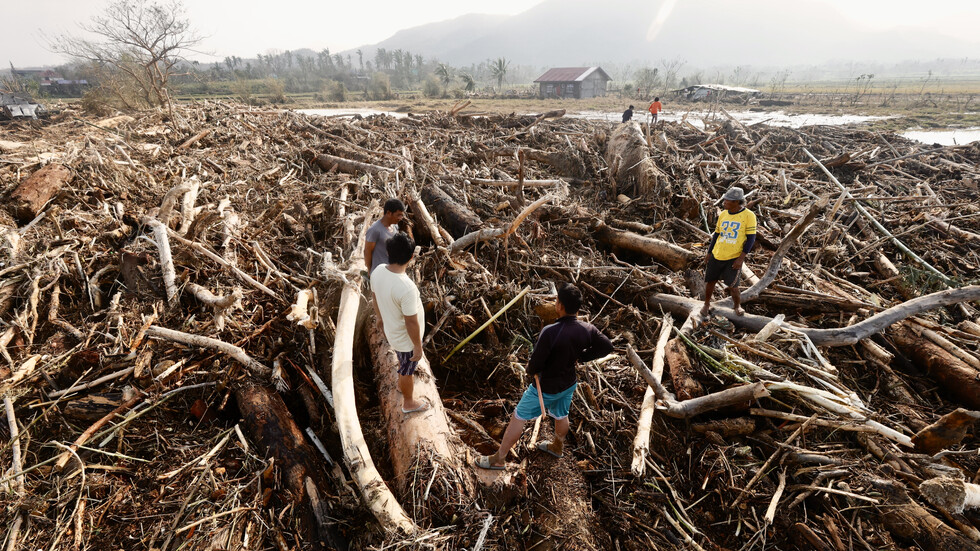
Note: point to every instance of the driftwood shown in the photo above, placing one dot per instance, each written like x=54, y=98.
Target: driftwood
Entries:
x=955, y=376
x=492, y=233
x=685, y=386
x=696, y=406
x=330, y=163
x=564, y=163
x=375, y=493
x=457, y=219
x=628, y=154
x=29, y=197
x=641, y=444
x=420, y=442
x=911, y=522
x=674, y=257
x=843, y=336
x=276, y=433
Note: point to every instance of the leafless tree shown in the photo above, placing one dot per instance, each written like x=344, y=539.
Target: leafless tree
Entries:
x=137, y=44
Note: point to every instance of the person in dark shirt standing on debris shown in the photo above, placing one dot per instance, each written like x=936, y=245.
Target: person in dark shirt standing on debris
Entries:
x=732, y=240
x=375, y=252
x=552, y=365
x=628, y=114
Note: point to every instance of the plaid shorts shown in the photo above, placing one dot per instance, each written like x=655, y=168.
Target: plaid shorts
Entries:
x=405, y=364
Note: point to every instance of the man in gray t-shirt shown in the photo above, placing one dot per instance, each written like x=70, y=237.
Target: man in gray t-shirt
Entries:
x=375, y=252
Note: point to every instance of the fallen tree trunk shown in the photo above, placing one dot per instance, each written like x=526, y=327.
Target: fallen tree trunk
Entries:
x=423, y=446
x=330, y=162
x=629, y=153
x=376, y=494
x=695, y=406
x=674, y=257
x=686, y=386
x=641, y=444
x=842, y=336
x=911, y=522
x=491, y=233
x=272, y=427
x=564, y=163
x=30, y=196
x=456, y=218
x=955, y=376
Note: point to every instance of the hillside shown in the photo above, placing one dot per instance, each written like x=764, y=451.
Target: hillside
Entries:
x=701, y=32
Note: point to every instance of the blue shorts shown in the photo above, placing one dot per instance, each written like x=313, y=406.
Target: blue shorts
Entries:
x=556, y=405
x=405, y=364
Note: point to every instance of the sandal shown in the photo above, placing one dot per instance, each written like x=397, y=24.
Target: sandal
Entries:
x=483, y=462
x=423, y=407
x=543, y=446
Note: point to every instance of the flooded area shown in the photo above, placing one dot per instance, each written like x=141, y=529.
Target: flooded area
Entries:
x=697, y=119
x=944, y=137
x=772, y=118
x=342, y=113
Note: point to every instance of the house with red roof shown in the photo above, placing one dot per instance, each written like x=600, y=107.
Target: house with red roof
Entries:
x=573, y=82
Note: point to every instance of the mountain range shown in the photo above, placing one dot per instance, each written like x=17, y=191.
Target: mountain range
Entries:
x=703, y=33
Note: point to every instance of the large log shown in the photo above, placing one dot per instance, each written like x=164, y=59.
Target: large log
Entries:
x=270, y=425
x=958, y=379
x=30, y=196
x=674, y=257
x=696, y=406
x=424, y=445
x=375, y=492
x=910, y=522
x=685, y=385
x=840, y=336
x=456, y=218
x=330, y=162
x=634, y=164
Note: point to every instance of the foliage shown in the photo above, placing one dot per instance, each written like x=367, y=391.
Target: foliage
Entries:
x=137, y=45
x=242, y=89
x=276, y=90
x=380, y=87
x=445, y=74
x=646, y=79
x=499, y=71
x=431, y=87
x=469, y=83
x=338, y=91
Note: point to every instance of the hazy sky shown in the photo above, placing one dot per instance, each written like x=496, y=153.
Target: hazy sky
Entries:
x=248, y=27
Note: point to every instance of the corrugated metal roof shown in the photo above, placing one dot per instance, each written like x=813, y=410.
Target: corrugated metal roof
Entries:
x=569, y=74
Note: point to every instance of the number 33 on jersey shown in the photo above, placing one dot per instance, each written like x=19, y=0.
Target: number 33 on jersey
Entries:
x=732, y=230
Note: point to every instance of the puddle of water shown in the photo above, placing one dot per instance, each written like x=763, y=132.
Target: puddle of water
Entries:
x=342, y=113
x=772, y=118
x=944, y=137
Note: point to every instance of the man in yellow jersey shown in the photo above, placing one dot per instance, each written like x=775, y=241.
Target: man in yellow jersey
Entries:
x=733, y=238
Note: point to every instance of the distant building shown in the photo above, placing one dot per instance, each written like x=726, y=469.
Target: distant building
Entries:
x=573, y=82
x=714, y=92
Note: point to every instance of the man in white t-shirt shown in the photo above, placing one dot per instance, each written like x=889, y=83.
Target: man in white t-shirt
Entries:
x=398, y=305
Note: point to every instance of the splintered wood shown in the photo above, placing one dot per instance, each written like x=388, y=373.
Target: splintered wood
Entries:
x=187, y=361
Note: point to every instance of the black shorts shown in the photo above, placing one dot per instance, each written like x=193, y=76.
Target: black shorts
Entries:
x=721, y=269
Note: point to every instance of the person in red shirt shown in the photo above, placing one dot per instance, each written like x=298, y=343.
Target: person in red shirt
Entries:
x=655, y=108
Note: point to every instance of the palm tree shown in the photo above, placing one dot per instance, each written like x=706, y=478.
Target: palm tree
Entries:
x=445, y=74
x=468, y=83
x=360, y=58
x=499, y=70
x=379, y=58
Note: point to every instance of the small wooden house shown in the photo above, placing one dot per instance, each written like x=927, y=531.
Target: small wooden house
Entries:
x=573, y=82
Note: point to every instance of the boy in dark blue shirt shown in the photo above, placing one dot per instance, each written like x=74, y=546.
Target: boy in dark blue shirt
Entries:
x=552, y=365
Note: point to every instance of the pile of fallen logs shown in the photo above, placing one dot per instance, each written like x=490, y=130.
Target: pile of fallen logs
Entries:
x=189, y=358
